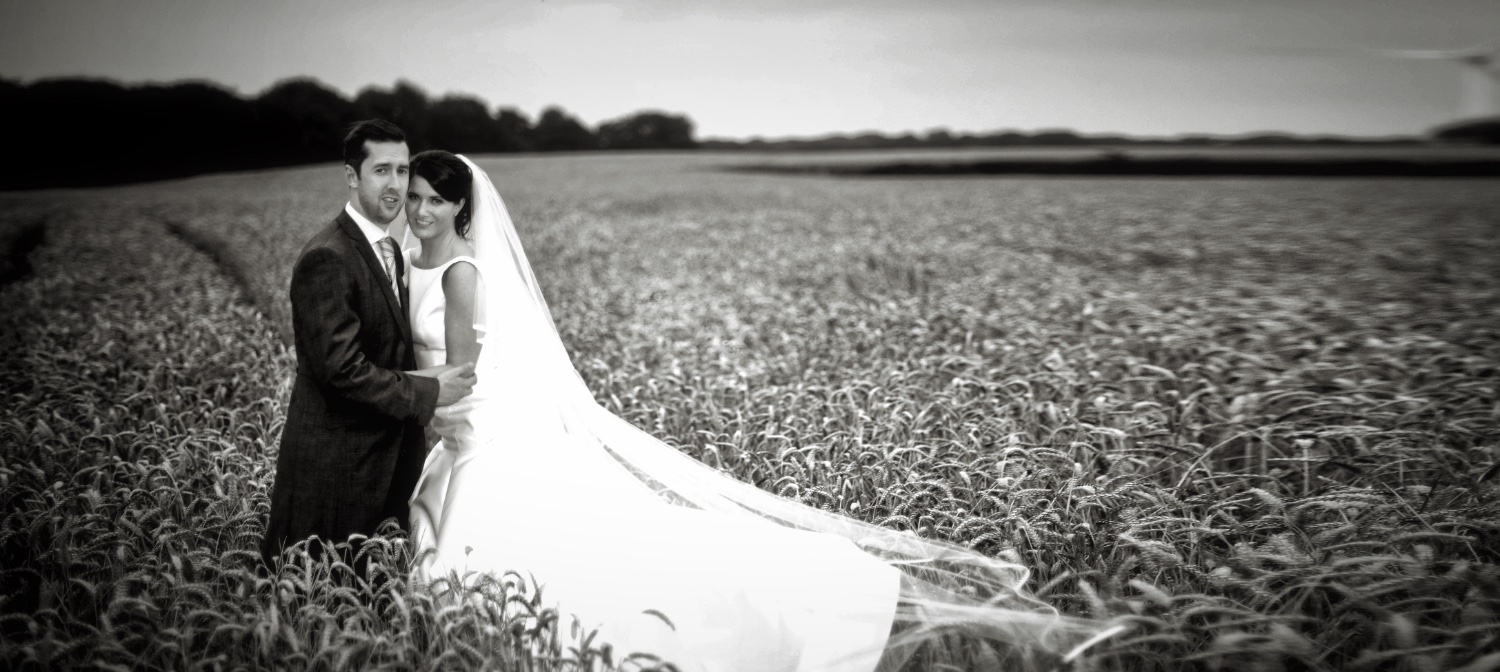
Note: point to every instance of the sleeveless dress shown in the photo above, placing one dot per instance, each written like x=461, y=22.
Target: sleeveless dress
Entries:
x=509, y=488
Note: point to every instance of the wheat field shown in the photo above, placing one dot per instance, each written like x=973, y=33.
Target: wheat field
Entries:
x=1255, y=420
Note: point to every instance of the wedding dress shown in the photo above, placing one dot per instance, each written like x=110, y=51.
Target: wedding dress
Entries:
x=659, y=552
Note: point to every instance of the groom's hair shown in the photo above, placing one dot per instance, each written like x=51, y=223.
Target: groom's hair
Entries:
x=372, y=130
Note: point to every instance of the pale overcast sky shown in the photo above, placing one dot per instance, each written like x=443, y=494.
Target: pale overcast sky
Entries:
x=775, y=68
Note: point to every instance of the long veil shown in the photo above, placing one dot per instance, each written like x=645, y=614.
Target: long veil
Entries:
x=946, y=589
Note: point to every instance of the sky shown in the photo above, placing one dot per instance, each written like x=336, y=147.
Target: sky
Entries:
x=802, y=68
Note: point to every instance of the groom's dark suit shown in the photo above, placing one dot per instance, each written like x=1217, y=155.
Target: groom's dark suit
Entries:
x=352, y=447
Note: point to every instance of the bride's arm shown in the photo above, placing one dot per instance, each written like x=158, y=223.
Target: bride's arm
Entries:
x=460, y=283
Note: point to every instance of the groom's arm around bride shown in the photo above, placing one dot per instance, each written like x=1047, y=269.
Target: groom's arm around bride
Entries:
x=353, y=445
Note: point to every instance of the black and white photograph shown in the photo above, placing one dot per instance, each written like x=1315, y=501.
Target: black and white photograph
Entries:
x=750, y=336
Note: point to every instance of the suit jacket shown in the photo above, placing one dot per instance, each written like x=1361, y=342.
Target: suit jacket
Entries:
x=352, y=447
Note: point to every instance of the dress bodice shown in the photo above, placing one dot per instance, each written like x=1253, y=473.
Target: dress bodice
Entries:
x=427, y=311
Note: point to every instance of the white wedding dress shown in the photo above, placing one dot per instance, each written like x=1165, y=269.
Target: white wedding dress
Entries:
x=510, y=488
x=662, y=554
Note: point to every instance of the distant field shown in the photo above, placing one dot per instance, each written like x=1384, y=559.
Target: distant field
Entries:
x=1255, y=419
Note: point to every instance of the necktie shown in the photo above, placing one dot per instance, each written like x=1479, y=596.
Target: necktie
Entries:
x=388, y=253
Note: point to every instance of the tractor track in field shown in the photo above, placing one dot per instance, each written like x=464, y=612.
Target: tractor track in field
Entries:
x=115, y=306
x=135, y=378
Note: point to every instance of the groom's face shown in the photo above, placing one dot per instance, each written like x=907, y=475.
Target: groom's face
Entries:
x=380, y=182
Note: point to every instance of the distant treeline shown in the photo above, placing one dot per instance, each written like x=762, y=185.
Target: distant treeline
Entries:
x=1483, y=130
x=82, y=132
x=1056, y=138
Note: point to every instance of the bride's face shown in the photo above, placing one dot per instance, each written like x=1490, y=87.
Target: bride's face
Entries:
x=427, y=212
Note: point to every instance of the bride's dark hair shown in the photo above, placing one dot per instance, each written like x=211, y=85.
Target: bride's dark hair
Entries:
x=451, y=179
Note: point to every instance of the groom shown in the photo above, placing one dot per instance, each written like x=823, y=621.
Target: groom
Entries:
x=353, y=446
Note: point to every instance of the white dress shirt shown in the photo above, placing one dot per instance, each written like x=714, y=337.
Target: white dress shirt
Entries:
x=372, y=232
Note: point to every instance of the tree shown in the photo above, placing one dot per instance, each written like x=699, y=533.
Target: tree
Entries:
x=193, y=127
x=1056, y=137
x=647, y=130
x=405, y=106
x=939, y=137
x=556, y=131
x=1481, y=129
x=304, y=120
x=65, y=128
x=462, y=124
x=515, y=131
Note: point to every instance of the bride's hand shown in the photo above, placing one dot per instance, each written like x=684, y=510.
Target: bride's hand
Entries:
x=455, y=381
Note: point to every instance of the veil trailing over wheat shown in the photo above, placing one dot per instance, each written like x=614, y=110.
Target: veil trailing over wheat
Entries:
x=946, y=589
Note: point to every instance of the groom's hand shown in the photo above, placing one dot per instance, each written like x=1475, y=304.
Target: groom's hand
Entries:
x=455, y=383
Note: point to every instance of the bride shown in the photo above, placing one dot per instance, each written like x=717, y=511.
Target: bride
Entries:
x=659, y=552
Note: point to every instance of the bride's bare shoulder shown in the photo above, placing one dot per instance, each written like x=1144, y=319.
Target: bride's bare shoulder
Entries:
x=459, y=281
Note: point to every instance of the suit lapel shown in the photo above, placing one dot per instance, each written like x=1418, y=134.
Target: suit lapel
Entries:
x=377, y=270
